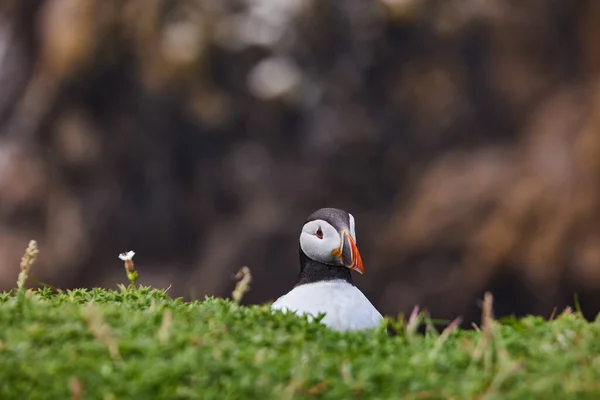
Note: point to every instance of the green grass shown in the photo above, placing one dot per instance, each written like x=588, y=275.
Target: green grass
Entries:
x=141, y=344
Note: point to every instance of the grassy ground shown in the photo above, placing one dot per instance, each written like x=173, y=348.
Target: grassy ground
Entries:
x=137, y=343
x=140, y=344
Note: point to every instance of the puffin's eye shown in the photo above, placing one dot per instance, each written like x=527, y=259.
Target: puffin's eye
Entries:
x=319, y=233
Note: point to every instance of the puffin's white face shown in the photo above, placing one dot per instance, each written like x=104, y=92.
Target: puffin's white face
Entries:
x=321, y=242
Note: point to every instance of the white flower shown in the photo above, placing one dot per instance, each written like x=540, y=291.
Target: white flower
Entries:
x=127, y=256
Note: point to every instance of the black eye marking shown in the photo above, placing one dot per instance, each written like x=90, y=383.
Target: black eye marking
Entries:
x=319, y=233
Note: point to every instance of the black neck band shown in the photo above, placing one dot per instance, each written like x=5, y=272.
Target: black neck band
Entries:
x=312, y=271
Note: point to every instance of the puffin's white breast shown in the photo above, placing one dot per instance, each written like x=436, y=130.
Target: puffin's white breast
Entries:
x=344, y=305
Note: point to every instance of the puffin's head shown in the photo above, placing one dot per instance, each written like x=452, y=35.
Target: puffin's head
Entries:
x=328, y=237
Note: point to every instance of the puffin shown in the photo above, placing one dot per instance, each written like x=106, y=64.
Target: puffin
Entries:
x=328, y=255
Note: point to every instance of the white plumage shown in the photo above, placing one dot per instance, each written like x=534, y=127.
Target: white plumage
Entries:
x=344, y=305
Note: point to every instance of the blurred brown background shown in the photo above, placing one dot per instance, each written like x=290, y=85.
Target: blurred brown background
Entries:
x=464, y=135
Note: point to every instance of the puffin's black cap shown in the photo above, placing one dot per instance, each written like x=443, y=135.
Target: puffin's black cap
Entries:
x=339, y=219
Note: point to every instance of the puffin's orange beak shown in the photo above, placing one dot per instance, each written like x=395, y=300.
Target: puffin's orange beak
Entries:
x=348, y=253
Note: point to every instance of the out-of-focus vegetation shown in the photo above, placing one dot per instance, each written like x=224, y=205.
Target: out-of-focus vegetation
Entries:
x=139, y=343
x=462, y=134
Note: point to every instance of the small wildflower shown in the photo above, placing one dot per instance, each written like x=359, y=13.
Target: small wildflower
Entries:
x=127, y=257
